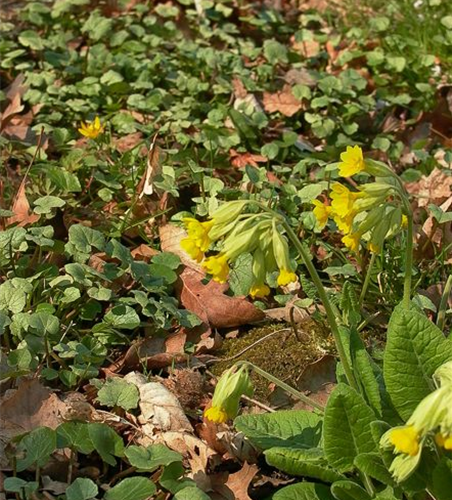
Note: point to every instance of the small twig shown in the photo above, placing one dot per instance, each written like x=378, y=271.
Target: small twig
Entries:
x=123, y=473
x=254, y=344
x=258, y=403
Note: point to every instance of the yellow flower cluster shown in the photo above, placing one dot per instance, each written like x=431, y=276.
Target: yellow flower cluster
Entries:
x=236, y=233
x=226, y=399
x=363, y=214
x=92, y=129
x=431, y=418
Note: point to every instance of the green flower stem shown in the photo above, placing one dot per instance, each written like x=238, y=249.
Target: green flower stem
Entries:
x=297, y=394
x=332, y=319
x=408, y=262
x=443, y=305
x=409, y=242
x=367, y=278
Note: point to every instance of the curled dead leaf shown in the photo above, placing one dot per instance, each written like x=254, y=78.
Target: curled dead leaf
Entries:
x=209, y=302
x=283, y=101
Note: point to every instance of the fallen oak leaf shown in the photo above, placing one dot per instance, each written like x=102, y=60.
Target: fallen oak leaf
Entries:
x=237, y=484
x=21, y=208
x=241, y=160
x=283, y=101
x=211, y=305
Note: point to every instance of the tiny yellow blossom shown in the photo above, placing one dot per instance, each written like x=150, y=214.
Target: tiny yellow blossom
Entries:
x=199, y=232
x=351, y=241
x=405, y=440
x=321, y=212
x=226, y=399
x=259, y=291
x=285, y=277
x=404, y=221
x=218, y=267
x=444, y=441
x=343, y=200
x=216, y=414
x=352, y=161
x=92, y=129
x=189, y=245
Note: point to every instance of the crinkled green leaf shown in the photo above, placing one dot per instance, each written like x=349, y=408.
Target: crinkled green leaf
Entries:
x=293, y=428
x=118, y=392
x=415, y=349
x=346, y=428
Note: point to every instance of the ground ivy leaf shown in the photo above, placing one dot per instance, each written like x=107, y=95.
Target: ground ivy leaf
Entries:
x=122, y=317
x=82, y=489
x=38, y=445
x=152, y=457
x=45, y=204
x=106, y=442
x=118, y=392
x=132, y=488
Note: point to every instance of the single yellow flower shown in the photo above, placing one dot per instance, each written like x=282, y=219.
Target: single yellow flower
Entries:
x=199, y=232
x=351, y=241
x=285, y=277
x=444, y=441
x=352, y=161
x=218, y=267
x=343, y=200
x=190, y=246
x=321, y=212
x=405, y=440
x=404, y=221
x=216, y=414
x=344, y=224
x=228, y=391
x=92, y=129
x=259, y=291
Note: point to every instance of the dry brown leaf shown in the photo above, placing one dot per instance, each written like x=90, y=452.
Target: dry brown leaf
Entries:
x=144, y=252
x=237, y=484
x=153, y=169
x=128, y=142
x=241, y=160
x=240, y=91
x=210, y=303
x=318, y=380
x=436, y=188
x=300, y=76
x=14, y=94
x=283, y=101
x=196, y=451
x=159, y=407
x=308, y=48
x=21, y=208
x=29, y=406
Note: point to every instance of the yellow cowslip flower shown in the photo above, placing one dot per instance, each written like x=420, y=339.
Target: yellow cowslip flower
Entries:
x=199, y=232
x=259, y=291
x=351, y=241
x=285, y=277
x=344, y=224
x=92, y=129
x=352, y=161
x=404, y=223
x=343, y=200
x=281, y=253
x=218, y=267
x=216, y=414
x=198, y=241
x=231, y=386
x=321, y=212
x=444, y=441
x=189, y=245
x=405, y=440
x=373, y=247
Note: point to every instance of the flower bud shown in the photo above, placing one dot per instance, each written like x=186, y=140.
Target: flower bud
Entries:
x=226, y=399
